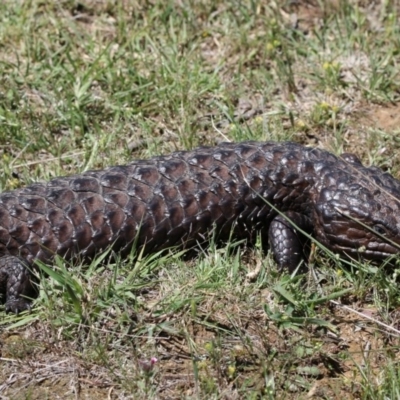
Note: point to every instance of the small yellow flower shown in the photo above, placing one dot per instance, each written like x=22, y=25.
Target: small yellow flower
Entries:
x=231, y=371
x=326, y=65
x=331, y=66
x=276, y=43
x=202, y=365
x=300, y=124
x=335, y=109
x=209, y=346
x=12, y=183
x=269, y=47
x=324, y=106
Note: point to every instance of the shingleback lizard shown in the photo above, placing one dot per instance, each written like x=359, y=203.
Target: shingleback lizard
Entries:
x=235, y=189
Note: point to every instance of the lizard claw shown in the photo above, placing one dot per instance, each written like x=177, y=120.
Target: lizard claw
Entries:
x=17, y=305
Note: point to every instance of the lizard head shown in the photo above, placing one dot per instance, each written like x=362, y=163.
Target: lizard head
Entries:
x=358, y=222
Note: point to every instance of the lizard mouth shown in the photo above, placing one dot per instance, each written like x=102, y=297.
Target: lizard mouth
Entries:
x=374, y=251
x=381, y=250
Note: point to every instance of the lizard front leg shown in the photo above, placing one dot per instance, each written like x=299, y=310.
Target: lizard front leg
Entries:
x=16, y=284
x=289, y=246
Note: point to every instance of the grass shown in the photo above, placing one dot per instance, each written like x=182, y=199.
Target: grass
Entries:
x=88, y=84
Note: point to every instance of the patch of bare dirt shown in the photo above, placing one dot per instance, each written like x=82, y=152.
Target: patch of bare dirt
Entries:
x=372, y=135
x=308, y=14
x=385, y=117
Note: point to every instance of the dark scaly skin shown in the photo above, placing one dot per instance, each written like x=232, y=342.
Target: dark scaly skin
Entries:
x=176, y=200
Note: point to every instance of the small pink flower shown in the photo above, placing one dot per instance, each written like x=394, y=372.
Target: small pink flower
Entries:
x=153, y=360
x=148, y=365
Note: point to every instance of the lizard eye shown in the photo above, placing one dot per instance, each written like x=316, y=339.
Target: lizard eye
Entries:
x=378, y=228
